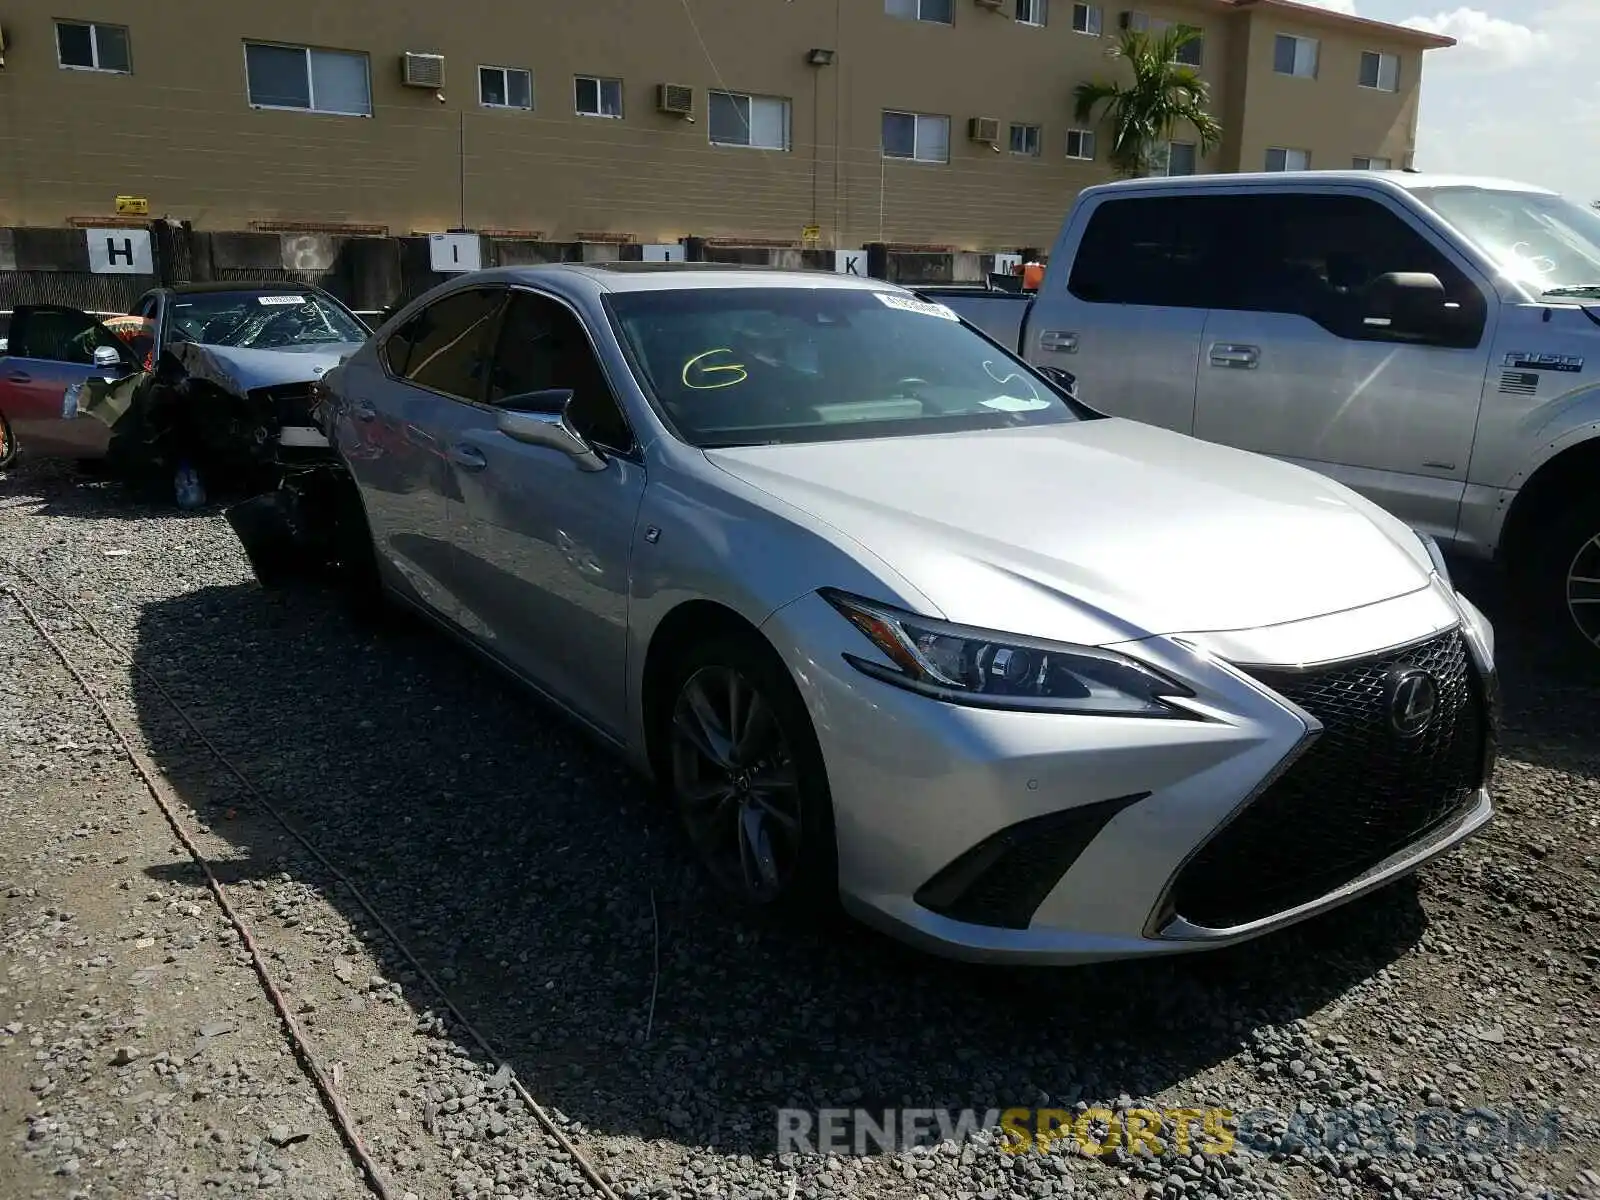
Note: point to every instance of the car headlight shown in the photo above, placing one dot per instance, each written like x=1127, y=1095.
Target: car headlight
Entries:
x=962, y=665
x=1436, y=554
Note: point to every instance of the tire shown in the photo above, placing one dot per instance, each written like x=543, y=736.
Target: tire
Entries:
x=759, y=820
x=1568, y=555
x=8, y=443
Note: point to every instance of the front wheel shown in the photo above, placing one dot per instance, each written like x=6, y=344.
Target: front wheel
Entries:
x=745, y=775
x=1566, y=579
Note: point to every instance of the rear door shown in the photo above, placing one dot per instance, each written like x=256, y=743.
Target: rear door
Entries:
x=1302, y=361
x=1126, y=314
x=398, y=406
x=51, y=347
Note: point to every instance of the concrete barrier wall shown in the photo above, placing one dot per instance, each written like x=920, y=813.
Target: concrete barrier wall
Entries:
x=52, y=266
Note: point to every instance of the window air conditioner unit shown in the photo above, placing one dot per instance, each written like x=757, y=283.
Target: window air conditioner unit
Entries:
x=422, y=70
x=991, y=5
x=984, y=129
x=676, y=99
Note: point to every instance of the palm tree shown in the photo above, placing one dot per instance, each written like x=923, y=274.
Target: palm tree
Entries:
x=1164, y=94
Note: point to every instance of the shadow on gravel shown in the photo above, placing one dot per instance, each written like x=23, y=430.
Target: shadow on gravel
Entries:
x=519, y=862
x=1552, y=697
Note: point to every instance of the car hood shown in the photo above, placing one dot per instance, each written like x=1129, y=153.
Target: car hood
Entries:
x=1097, y=531
x=240, y=370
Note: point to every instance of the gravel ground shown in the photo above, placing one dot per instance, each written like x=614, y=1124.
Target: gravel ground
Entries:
x=533, y=878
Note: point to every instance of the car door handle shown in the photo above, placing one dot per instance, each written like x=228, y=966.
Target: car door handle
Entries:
x=1225, y=354
x=20, y=377
x=362, y=411
x=468, y=458
x=1059, y=340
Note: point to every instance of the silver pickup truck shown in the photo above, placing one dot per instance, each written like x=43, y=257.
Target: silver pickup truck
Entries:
x=1431, y=341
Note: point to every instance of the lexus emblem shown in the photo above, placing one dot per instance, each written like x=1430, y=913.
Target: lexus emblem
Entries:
x=1413, y=701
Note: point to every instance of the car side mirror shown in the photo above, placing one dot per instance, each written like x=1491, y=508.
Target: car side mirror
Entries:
x=1409, y=301
x=540, y=419
x=108, y=358
x=1065, y=380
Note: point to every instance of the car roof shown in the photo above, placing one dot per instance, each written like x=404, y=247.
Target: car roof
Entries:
x=1404, y=180
x=239, y=285
x=646, y=277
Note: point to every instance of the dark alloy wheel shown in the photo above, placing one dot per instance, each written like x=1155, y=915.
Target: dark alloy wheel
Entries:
x=1582, y=586
x=1565, y=579
x=746, y=778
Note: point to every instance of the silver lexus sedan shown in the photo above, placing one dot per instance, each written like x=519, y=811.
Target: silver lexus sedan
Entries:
x=895, y=620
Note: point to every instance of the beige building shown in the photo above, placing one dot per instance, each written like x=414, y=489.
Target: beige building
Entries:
x=935, y=122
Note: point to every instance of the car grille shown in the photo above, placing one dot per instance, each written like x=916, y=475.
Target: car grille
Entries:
x=288, y=403
x=1360, y=793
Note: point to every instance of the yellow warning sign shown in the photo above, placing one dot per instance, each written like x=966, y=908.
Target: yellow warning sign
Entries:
x=133, y=206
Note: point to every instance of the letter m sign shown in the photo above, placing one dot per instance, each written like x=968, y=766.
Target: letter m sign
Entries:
x=119, y=251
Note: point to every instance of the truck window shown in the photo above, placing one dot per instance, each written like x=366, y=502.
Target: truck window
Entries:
x=1159, y=250
x=1316, y=256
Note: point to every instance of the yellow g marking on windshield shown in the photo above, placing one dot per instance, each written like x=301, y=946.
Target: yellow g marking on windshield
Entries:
x=703, y=371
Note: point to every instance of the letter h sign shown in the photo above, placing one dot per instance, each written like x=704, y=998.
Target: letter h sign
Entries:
x=119, y=251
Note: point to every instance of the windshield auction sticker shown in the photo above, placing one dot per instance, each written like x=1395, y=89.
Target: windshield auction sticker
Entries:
x=271, y=300
x=908, y=304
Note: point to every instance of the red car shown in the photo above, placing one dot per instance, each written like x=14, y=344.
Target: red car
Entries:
x=50, y=347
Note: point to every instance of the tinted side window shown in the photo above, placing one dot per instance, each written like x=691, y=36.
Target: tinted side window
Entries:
x=59, y=335
x=542, y=346
x=1320, y=257
x=449, y=343
x=1159, y=250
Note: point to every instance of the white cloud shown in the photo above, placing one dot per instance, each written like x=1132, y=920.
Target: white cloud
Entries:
x=1484, y=41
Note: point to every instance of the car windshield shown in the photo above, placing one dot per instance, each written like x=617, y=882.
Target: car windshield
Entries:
x=1542, y=241
x=260, y=320
x=759, y=366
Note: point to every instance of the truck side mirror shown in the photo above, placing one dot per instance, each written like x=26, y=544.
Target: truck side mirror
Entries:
x=1406, y=301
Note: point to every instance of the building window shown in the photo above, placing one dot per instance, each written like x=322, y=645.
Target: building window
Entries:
x=1372, y=164
x=594, y=97
x=1295, y=56
x=1380, y=71
x=1137, y=21
x=1080, y=144
x=1279, y=159
x=505, y=87
x=759, y=121
x=1025, y=139
x=1176, y=158
x=1192, y=53
x=916, y=136
x=81, y=46
x=1086, y=19
x=322, y=81
x=941, y=12
x=1031, y=12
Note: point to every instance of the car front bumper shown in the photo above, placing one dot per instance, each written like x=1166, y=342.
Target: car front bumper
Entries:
x=1041, y=838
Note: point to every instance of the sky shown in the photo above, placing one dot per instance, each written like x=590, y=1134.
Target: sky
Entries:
x=1518, y=96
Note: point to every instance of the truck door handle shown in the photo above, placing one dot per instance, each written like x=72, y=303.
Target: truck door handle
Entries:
x=1060, y=340
x=468, y=458
x=362, y=411
x=1225, y=354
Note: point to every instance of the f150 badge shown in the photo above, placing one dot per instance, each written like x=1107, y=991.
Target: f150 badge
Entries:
x=1519, y=361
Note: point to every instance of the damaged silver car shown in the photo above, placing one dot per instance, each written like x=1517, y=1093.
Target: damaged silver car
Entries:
x=202, y=385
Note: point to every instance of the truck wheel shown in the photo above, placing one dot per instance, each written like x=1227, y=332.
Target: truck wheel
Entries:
x=1566, y=576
